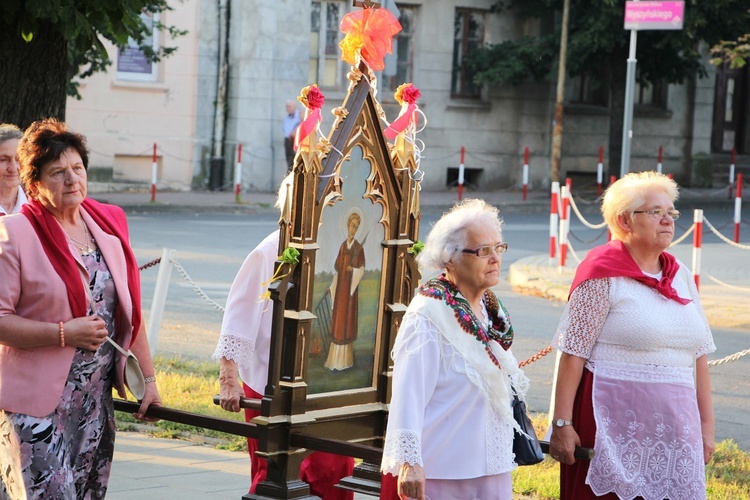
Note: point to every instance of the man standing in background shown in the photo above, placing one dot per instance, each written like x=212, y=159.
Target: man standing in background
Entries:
x=289, y=126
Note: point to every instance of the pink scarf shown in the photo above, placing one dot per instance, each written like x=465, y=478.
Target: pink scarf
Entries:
x=54, y=242
x=613, y=260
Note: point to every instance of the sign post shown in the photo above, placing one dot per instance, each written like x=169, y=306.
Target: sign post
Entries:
x=643, y=16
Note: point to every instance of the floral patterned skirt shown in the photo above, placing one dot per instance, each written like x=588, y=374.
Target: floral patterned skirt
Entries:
x=68, y=453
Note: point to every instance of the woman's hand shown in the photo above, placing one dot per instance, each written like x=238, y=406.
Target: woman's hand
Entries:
x=411, y=482
x=87, y=332
x=562, y=444
x=230, y=389
x=150, y=398
x=709, y=444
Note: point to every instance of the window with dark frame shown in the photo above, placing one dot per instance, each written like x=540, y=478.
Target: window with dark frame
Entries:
x=325, y=18
x=404, y=47
x=468, y=35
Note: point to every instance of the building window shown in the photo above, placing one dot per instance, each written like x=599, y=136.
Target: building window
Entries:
x=468, y=35
x=325, y=18
x=403, y=48
x=588, y=90
x=654, y=95
x=133, y=64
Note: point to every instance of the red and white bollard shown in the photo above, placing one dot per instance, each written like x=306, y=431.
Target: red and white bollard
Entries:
x=553, y=218
x=461, y=174
x=238, y=174
x=658, y=163
x=154, y=174
x=564, y=222
x=697, y=243
x=738, y=209
x=525, y=172
x=600, y=172
x=731, y=173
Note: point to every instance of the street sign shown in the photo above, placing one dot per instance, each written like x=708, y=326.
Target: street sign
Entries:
x=654, y=15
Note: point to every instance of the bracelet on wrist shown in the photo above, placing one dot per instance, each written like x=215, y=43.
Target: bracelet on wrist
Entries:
x=61, y=332
x=149, y=379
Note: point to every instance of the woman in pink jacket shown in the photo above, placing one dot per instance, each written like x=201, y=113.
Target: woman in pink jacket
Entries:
x=70, y=280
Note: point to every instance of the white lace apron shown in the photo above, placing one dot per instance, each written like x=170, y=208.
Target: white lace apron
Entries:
x=648, y=433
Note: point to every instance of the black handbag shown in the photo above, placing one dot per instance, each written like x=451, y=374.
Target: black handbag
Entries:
x=526, y=447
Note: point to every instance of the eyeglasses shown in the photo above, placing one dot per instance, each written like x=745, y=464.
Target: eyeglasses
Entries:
x=486, y=250
x=659, y=214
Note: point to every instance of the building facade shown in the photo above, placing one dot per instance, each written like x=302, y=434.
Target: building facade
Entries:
x=241, y=60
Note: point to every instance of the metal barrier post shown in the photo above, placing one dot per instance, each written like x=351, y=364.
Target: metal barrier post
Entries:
x=553, y=218
x=160, y=298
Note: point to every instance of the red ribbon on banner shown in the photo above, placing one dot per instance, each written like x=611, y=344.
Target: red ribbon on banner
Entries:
x=400, y=123
x=307, y=127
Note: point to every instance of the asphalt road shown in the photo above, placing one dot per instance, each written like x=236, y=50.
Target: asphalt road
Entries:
x=210, y=247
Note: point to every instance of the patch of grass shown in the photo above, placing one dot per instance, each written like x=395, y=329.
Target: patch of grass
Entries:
x=190, y=385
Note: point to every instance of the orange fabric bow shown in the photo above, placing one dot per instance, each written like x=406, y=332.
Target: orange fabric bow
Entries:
x=369, y=33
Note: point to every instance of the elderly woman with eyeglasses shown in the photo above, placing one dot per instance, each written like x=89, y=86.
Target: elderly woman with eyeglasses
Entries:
x=633, y=377
x=450, y=426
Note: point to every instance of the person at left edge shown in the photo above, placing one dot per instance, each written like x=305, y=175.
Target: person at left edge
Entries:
x=70, y=279
x=12, y=197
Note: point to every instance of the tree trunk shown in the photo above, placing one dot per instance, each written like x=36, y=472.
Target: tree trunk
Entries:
x=34, y=76
x=619, y=67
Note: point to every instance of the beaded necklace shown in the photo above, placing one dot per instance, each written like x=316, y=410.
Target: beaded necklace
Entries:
x=499, y=329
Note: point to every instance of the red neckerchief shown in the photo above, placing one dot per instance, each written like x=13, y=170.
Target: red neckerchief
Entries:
x=54, y=242
x=613, y=260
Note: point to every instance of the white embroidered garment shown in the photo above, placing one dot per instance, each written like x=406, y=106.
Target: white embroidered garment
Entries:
x=442, y=407
x=245, y=336
x=641, y=348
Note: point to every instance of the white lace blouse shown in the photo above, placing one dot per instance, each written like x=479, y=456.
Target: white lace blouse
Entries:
x=438, y=418
x=622, y=320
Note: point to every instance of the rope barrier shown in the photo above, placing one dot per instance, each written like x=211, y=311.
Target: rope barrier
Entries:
x=150, y=264
x=681, y=238
x=197, y=289
x=536, y=357
x=727, y=285
x=573, y=252
x=730, y=358
x=724, y=238
x=584, y=221
x=598, y=199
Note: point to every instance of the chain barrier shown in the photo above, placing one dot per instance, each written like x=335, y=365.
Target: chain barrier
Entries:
x=598, y=199
x=724, y=238
x=587, y=242
x=716, y=192
x=150, y=264
x=195, y=287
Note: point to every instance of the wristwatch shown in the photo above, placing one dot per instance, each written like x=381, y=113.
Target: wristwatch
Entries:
x=561, y=423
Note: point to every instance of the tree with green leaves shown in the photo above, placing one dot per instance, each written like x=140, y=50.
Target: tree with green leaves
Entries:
x=46, y=44
x=735, y=53
x=598, y=46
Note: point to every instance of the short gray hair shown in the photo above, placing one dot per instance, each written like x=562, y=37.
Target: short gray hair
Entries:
x=449, y=234
x=629, y=193
x=9, y=131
